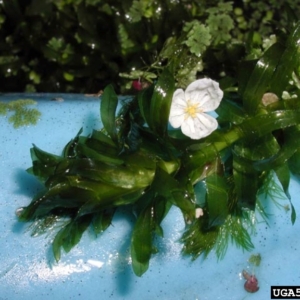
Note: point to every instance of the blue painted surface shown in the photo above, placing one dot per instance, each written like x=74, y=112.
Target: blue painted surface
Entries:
x=99, y=267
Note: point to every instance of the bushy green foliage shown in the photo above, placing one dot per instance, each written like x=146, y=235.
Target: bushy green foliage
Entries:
x=198, y=37
x=82, y=45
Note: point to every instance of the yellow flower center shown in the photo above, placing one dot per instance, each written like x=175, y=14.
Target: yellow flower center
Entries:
x=192, y=109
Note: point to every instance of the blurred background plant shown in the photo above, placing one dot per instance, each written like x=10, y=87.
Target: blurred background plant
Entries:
x=81, y=46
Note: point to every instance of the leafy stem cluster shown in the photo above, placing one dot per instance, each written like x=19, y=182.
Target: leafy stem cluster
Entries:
x=137, y=161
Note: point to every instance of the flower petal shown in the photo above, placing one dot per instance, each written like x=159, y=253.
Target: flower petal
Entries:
x=179, y=98
x=188, y=127
x=177, y=120
x=199, y=127
x=177, y=110
x=206, y=92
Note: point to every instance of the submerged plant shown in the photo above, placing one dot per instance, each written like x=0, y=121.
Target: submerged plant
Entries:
x=138, y=161
x=22, y=115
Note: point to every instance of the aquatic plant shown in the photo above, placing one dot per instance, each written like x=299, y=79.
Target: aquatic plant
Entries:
x=19, y=113
x=255, y=259
x=139, y=162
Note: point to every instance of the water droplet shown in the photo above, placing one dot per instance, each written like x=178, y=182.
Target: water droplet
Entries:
x=19, y=211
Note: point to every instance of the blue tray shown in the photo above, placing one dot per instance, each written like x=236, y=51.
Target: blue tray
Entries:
x=100, y=267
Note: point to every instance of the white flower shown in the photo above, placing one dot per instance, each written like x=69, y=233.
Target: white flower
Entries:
x=188, y=108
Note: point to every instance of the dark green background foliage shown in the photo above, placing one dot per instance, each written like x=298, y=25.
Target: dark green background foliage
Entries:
x=83, y=45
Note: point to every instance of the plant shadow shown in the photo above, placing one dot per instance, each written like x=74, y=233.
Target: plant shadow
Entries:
x=122, y=265
x=28, y=185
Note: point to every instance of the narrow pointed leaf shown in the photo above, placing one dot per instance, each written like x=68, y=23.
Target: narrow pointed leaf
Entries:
x=69, y=236
x=109, y=102
x=86, y=151
x=144, y=97
x=260, y=78
x=294, y=163
x=288, y=62
x=283, y=175
x=141, y=242
x=216, y=199
x=70, y=148
x=246, y=181
x=102, y=220
x=288, y=149
x=171, y=191
x=161, y=103
x=75, y=231
x=229, y=111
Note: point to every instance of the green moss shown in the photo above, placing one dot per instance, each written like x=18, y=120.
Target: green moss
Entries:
x=21, y=114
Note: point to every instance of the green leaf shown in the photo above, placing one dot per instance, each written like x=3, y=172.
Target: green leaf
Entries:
x=289, y=61
x=283, y=175
x=229, y=111
x=161, y=103
x=260, y=79
x=171, y=190
x=144, y=103
x=103, y=140
x=86, y=151
x=278, y=159
x=105, y=194
x=69, y=150
x=216, y=199
x=251, y=129
x=125, y=176
x=273, y=71
x=294, y=163
x=246, y=182
x=109, y=102
x=291, y=15
x=141, y=242
x=198, y=37
x=137, y=10
x=262, y=124
x=44, y=163
x=70, y=235
x=161, y=207
x=102, y=220
x=125, y=41
x=220, y=23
